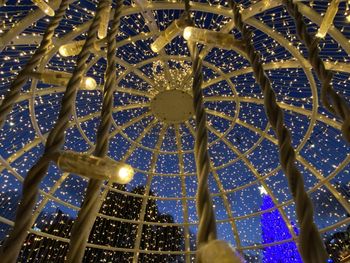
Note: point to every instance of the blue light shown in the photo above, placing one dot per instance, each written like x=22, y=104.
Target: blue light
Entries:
x=275, y=229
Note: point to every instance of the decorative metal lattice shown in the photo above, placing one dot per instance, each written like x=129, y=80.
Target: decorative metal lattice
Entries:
x=132, y=86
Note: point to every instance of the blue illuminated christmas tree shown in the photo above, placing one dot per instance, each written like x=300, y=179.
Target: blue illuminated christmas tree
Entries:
x=275, y=229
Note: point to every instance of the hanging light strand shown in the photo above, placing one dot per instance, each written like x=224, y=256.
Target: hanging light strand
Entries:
x=23, y=220
x=91, y=205
x=336, y=104
x=311, y=245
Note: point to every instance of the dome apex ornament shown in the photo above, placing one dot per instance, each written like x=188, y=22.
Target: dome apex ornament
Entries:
x=172, y=106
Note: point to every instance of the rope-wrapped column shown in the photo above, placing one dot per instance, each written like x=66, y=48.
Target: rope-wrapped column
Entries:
x=21, y=79
x=207, y=224
x=88, y=212
x=206, y=236
x=330, y=99
x=209, y=249
x=56, y=138
x=311, y=245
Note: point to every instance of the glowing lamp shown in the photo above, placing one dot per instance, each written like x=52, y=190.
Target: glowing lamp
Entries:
x=187, y=34
x=218, y=251
x=71, y=49
x=348, y=18
x=125, y=174
x=43, y=6
x=95, y=167
x=103, y=27
x=328, y=19
x=52, y=77
x=208, y=37
x=88, y=83
x=166, y=36
x=74, y=48
x=62, y=78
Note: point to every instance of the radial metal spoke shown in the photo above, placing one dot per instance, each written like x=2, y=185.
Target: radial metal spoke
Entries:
x=183, y=191
x=155, y=156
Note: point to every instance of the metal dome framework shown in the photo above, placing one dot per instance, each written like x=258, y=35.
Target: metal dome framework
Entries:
x=307, y=109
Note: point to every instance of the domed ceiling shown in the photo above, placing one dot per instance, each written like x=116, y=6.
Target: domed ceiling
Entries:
x=153, y=120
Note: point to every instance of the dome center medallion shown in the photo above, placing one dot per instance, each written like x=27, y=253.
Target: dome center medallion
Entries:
x=172, y=106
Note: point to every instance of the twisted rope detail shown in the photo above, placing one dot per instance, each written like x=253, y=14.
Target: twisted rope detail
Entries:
x=54, y=142
x=92, y=202
x=207, y=225
x=12, y=246
x=21, y=79
x=311, y=245
x=187, y=6
x=336, y=104
x=23, y=221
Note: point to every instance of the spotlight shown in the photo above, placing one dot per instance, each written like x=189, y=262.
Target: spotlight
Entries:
x=88, y=83
x=208, y=37
x=74, y=48
x=95, y=167
x=62, y=78
x=71, y=49
x=166, y=36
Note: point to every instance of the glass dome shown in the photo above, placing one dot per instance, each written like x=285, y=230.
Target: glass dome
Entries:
x=153, y=218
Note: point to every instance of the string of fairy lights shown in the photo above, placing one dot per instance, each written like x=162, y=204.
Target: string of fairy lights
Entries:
x=239, y=134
